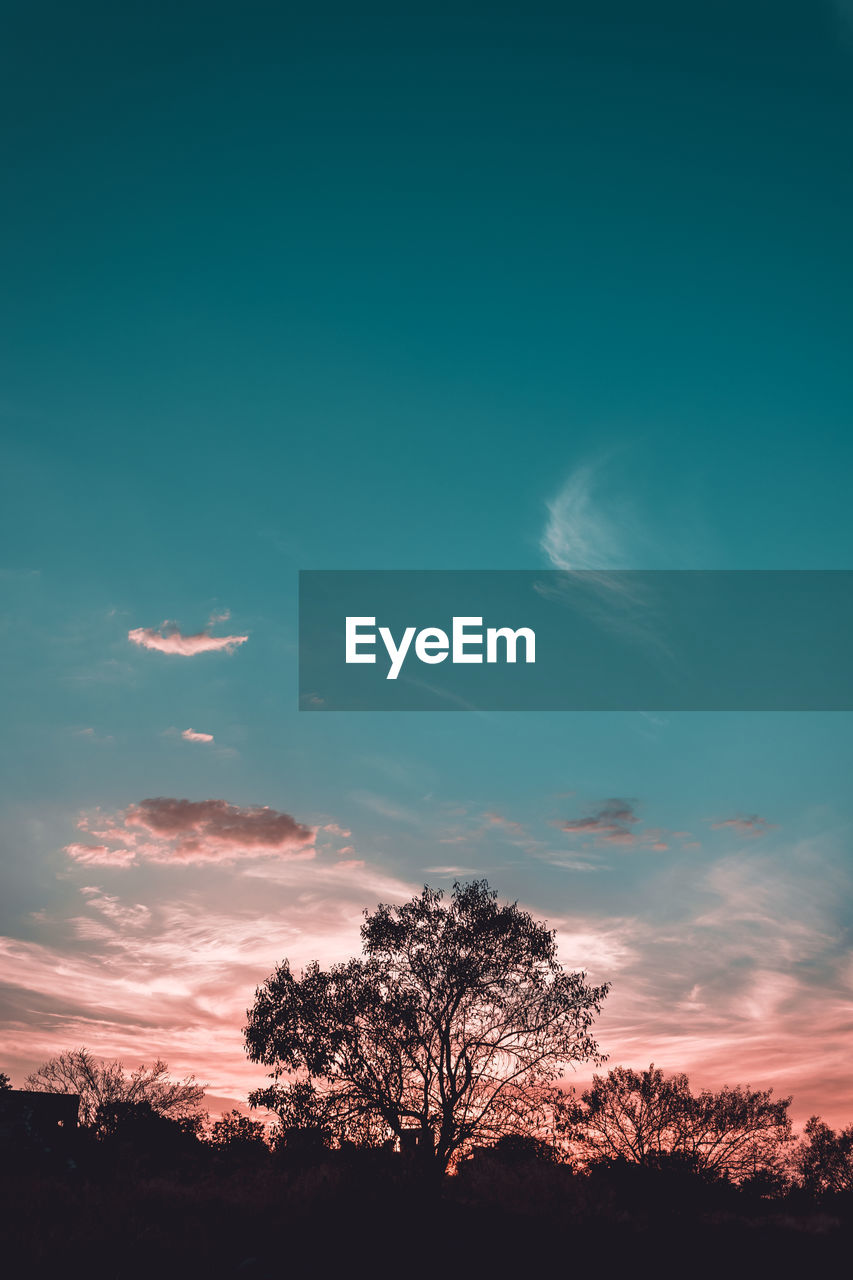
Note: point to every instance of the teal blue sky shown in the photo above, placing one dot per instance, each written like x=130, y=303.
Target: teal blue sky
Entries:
x=423, y=286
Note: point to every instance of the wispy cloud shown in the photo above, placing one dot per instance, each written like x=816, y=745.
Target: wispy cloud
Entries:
x=451, y=871
x=169, y=830
x=735, y=970
x=744, y=974
x=171, y=975
x=385, y=807
x=579, y=532
x=591, y=534
x=335, y=830
x=91, y=735
x=498, y=820
x=168, y=639
x=750, y=825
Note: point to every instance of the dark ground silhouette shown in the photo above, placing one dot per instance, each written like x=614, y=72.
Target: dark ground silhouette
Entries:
x=150, y=1198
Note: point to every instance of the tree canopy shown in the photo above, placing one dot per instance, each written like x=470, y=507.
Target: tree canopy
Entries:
x=824, y=1158
x=648, y=1118
x=450, y=1030
x=103, y=1086
x=235, y=1132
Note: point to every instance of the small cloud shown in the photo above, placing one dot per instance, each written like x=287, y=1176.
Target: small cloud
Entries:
x=498, y=820
x=172, y=641
x=312, y=700
x=451, y=871
x=568, y=863
x=100, y=855
x=335, y=830
x=751, y=825
x=385, y=808
x=610, y=824
x=132, y=916
x=89, y=735
x=168, y=830
x=190, y=735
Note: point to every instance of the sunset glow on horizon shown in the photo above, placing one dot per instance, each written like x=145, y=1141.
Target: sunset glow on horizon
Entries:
x=158, y=947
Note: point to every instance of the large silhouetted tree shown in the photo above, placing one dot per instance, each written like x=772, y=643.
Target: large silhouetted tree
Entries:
x=451, y=1029
x=103, y=1086
x=649, y=1118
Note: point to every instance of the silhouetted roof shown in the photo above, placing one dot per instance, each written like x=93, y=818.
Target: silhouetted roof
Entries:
x=36, y=1110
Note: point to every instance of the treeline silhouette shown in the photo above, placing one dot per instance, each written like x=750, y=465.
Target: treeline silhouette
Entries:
x=134, y=1190
x=420, y=1121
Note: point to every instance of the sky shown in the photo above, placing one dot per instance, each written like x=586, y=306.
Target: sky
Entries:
x=423, y=286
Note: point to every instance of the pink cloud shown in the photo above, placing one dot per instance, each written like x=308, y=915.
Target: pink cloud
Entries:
x=168, y=830
x=190, y=735
x=186, y=646
x=100, y=854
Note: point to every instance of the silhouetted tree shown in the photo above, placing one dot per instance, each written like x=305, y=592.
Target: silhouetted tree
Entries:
x=304, y=1119
x=141, y=1123
x=647, y=1118
x=451, y=1029
x=235, y=1132
x=103, y=1084
x=823, y=1158
x=5, y=1082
